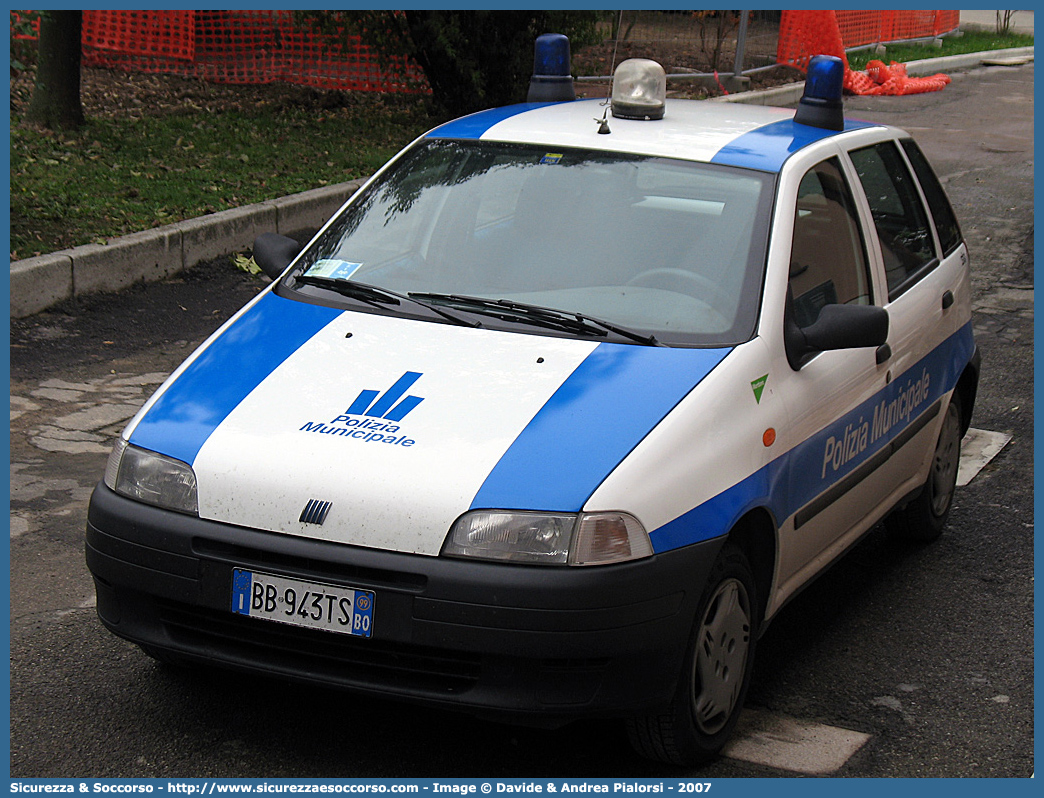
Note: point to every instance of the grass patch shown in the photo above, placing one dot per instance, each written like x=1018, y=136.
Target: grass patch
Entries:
x=971, y=42
x=122, y=175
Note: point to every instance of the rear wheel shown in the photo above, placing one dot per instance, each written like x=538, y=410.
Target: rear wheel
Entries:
x=923, y=519
x=713, y=683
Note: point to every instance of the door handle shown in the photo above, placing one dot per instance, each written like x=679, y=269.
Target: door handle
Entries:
x=947, y=299
x=884, y=352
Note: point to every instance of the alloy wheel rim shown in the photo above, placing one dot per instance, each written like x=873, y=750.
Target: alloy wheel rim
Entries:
x=721, y=656
x=946, y=462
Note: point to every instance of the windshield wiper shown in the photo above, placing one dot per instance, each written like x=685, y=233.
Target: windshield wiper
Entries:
x=566, y=321
x=378, y=297
x=642, y=338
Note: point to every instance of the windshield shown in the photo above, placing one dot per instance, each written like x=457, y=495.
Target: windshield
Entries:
x=671, y=249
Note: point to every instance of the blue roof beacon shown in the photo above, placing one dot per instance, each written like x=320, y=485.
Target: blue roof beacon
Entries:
x=821, y=104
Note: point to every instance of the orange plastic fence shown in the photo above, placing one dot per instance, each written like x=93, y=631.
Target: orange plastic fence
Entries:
x=238, y=47
x=892, y=80
x=876, y=27
x=163, y=34
x=803, y=34
x=250, y=47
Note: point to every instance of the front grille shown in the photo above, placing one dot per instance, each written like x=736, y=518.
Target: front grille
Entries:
x=335, y=566
x=331, y=658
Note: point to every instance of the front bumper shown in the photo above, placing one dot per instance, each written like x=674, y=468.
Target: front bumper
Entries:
x=542, y=644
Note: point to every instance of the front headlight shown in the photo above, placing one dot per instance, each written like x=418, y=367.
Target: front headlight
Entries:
x=549, y=539
x=518, y=537
x=151, y=478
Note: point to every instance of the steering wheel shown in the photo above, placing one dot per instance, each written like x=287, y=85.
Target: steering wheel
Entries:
x=682, y=281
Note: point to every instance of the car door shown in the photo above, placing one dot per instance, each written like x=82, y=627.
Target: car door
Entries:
x=923, y=264
x=833, y=479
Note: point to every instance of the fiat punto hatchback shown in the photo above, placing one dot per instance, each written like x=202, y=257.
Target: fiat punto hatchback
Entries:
x=556, y=413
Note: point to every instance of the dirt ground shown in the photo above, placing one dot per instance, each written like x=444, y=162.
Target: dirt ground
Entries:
x=108, y=93
x=171, y=316
x=684, y=42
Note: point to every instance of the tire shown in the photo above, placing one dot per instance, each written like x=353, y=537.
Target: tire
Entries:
x=922, y=520
x=713, y=683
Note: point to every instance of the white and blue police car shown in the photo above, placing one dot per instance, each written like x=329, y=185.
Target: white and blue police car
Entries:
x=557, y=412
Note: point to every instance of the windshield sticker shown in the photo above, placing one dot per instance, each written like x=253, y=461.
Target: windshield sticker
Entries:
x=334, y=269
x=551, y=158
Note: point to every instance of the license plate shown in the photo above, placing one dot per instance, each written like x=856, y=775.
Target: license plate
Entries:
x=314, y=605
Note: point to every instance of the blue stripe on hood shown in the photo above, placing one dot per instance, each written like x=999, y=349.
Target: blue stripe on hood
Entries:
x=595, y=418
x=186, y=414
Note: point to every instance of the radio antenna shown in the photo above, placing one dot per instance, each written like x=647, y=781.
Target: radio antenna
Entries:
x=603, y=123
x=612, y=66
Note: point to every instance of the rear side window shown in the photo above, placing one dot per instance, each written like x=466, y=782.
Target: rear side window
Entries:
x=942, y=213
x=902, y=224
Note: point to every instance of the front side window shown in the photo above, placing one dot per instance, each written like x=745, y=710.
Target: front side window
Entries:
x=902, y=225
x=828, y=263
x=670, y=248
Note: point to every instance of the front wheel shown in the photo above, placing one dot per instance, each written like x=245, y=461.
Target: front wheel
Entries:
x=714, y=680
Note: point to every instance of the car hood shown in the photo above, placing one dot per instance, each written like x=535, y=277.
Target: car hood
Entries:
x=380, y=431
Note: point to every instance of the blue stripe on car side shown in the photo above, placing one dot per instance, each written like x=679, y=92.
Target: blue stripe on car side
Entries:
x=475, y=125
x=795, y=479
x=595, y=418
x=767, y=147
x=717, y=515
x=182, y=419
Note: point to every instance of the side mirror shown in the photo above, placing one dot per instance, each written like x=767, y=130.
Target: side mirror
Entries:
x=273, y=253
x=838, y=327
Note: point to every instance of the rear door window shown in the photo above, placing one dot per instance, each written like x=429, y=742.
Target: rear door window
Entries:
x=942, y=213
x=907, y=244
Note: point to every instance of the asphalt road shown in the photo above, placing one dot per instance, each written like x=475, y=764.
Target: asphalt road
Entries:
x=928, y=651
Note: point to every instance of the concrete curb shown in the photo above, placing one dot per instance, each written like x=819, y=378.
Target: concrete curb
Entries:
x=40, y=282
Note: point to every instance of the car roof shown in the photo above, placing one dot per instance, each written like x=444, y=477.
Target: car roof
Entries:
x=735, y=134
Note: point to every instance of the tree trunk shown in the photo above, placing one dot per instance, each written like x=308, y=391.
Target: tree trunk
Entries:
x=56, y=95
